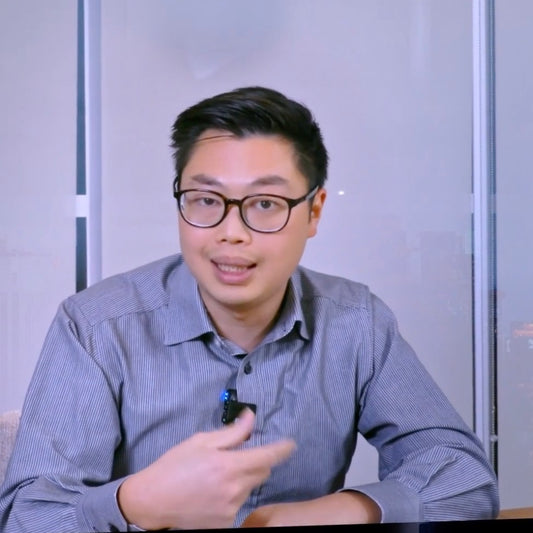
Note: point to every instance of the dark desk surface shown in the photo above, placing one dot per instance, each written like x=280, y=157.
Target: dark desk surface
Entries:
x=520, y=525
x=475, y=526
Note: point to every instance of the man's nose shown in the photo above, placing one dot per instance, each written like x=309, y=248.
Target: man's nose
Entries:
x=232, y=228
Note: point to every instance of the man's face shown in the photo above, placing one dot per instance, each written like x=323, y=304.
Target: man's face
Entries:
x=238, y=269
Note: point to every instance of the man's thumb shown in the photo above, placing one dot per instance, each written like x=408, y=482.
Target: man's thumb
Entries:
x=237, y=432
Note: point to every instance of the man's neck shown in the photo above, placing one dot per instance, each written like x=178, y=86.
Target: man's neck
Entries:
x=245, y=328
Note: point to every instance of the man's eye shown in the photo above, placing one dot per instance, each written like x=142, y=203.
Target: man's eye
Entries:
x=267, y=204
x=203, y=200
x=207, y=201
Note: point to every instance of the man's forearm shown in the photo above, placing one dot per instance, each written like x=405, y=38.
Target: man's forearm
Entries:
x=347, y=507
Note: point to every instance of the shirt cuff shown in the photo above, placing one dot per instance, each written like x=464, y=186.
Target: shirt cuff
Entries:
x=398, y=503
x=98, y=509
x=133, y=527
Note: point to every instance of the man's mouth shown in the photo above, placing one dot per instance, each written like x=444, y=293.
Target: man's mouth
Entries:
x=231, y=268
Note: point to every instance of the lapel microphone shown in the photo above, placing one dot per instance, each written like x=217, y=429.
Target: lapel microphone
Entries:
x=232, y=407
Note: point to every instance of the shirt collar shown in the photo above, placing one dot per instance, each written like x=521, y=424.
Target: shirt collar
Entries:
x=186, y=317
x=292, y=314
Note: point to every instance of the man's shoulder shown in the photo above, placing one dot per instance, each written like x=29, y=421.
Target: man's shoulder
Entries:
x=339, y=290
x=142, y=289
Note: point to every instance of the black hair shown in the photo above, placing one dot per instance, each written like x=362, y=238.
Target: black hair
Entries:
x=253, y=111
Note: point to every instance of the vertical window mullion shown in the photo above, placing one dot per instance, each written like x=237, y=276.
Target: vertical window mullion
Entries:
x=483, y=228
x=88, y=173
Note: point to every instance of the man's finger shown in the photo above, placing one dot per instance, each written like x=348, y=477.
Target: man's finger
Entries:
x=265, y=456
x=237, y=432
x=268, y=455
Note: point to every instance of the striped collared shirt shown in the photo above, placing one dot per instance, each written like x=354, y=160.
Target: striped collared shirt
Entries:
x=133, y=365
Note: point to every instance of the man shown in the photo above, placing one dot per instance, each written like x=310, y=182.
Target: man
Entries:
x=124, y=425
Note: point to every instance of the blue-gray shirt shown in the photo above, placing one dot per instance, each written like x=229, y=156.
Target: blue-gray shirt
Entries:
x=133, y=365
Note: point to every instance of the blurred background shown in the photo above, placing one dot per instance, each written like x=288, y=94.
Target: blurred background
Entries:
x=427, y=114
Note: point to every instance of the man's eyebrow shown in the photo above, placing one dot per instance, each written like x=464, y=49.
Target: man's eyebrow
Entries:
x=271, y=179
x=204, y=179
x=212, y=181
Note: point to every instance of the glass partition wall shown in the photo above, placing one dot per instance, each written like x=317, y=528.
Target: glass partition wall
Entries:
x=391, y=83
x=514, y=246
x=38, y=79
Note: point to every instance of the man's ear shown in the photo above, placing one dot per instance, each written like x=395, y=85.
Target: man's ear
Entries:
x=316, y=211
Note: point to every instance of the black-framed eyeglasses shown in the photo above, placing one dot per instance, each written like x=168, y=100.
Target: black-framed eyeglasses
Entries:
x=265, y=213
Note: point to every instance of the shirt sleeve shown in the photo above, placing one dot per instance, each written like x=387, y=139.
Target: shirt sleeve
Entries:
x=432, y=466
x=60, y=476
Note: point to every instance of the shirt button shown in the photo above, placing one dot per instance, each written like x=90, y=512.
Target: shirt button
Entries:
x=247, y=368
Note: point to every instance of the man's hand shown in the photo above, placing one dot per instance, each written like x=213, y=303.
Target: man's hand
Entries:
x=348, y=507
x=202, y=482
